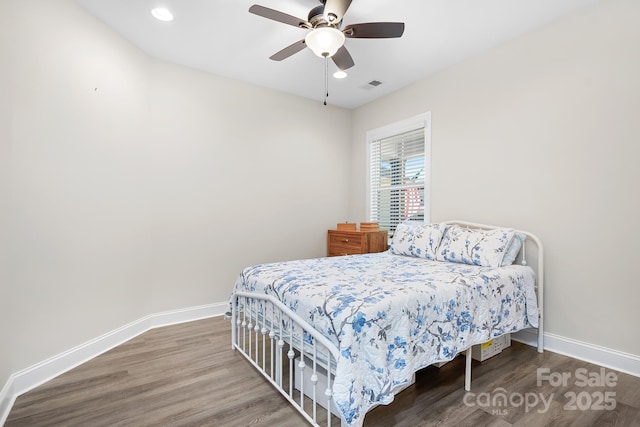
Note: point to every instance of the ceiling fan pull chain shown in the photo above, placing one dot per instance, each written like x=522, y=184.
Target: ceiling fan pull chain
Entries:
x=326, y=78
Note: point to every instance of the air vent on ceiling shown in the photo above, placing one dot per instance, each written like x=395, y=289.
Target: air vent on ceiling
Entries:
x=375, y=83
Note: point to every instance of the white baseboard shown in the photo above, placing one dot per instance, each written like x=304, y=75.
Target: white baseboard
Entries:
x=31, y=377
x=602, y=356
x=7, y=397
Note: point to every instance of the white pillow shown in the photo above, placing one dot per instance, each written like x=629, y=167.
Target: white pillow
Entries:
x=417, y=239
x=475, y=247
x=513, y=249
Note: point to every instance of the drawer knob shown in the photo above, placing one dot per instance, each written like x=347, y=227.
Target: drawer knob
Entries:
x=345, y=240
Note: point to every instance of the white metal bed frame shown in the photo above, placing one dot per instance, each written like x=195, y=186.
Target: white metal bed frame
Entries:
x=262, y=329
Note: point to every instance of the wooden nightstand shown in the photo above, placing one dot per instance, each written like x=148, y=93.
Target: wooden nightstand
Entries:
x=341, y=242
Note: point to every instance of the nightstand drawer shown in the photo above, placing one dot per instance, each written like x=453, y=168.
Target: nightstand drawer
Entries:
x=355, y=242
x=345, y=240
x=343, y=250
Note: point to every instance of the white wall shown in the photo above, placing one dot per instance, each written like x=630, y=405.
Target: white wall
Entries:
x=143, y=187
x=542, y=134
x=244, y=176
x=80, y=136
x=5, y=150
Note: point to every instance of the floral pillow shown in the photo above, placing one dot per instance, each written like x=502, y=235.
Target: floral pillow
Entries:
x=475, y=247
x=417, y=239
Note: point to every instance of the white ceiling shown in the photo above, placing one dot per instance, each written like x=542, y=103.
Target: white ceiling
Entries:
x=222, y=37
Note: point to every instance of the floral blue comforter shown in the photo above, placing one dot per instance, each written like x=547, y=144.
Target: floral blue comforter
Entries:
x=390, y=315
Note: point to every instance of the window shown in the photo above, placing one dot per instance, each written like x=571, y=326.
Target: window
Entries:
x=399, y=172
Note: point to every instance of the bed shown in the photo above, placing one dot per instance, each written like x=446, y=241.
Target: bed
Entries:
x=348, y=333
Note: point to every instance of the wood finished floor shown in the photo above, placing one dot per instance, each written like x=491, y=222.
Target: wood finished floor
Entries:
x=187, y=375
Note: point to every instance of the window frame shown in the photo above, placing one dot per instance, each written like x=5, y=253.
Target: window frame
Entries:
x=413, y=123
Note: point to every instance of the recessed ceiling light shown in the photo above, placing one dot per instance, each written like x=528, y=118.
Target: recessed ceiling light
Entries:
x=162, y=14
x=339, y=74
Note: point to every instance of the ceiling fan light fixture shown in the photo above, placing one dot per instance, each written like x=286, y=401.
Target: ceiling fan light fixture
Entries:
x=324, y=41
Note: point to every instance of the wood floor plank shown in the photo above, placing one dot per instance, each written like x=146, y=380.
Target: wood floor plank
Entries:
x=187, y=375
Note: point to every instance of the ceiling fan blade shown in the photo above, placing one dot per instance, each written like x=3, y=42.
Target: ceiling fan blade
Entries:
x=374, y=30
x=342, y=58
x=276, y=15
x=335, y=9
x=289, y=50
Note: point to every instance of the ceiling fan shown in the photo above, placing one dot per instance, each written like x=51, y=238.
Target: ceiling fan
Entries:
x=327, y=36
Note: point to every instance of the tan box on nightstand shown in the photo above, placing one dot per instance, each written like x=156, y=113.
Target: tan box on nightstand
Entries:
x=346, y=226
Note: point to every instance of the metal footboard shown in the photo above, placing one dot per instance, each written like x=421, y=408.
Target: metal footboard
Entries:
x=287, y=351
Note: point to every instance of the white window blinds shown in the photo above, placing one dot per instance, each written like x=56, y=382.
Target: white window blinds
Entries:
x=397, y=170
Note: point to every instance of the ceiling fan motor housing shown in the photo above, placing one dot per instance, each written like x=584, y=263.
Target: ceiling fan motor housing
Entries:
x=317, y=17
